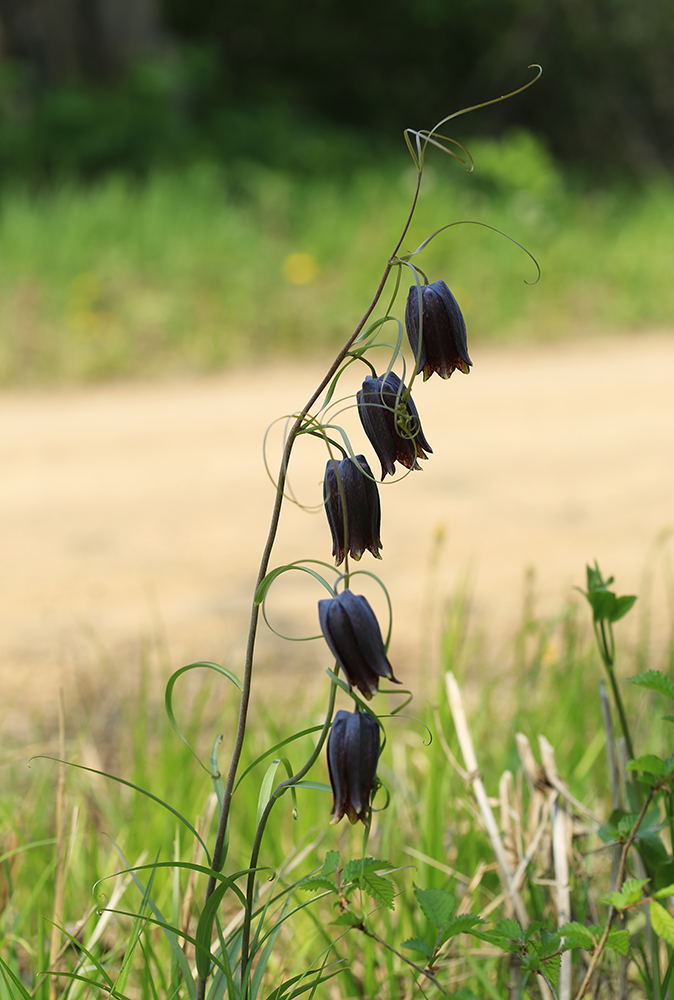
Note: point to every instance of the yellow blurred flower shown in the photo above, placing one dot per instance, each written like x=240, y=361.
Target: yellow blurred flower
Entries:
x=300, y=268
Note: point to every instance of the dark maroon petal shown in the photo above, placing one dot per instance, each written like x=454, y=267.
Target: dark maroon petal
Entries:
x=344, y=645
x=361, y=756
x=332, y=503
x=393, y=427
x=368, y=634
x=336, y=753
x=377, y=424
x=443, y=336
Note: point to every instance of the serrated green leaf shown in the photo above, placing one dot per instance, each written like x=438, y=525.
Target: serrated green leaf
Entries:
x=418, y=944
x=608, y=832
x=462, y=924
x=663, y=893
x=330, y=863
x=622, y=606
x=352, y=869
x=380, y=889
x=498, y=940
x=625, y=826
x=312, y=883
x=577, y=936
x=510, y=929
x=531, y=963
x=533, y=928
x=619, y=941
x=551, y=967
x=347, y=920
x=632, y=889
x=662, y=922
x=437, y=905
x=648, y=763
x=465, y=993
x=654, y=680
x=616, y=899
x=630, y=894
x=668, y=718
x=549, y=943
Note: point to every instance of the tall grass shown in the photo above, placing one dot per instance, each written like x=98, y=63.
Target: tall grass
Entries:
x=545, y=683
x=196, y=269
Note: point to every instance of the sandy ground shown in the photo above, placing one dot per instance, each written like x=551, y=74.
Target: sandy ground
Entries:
x=135, y=514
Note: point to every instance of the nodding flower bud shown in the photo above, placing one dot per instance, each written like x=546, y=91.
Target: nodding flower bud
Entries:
x=353, y=754
x=393, y=427
x=352, y=632
x=363, y=512
x=443, y=346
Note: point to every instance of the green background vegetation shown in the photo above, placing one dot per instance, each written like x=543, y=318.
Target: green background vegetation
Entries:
x=192, y=270
x=155, y=187
x=545, y=682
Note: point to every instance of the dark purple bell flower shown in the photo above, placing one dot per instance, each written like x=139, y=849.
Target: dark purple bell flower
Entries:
x=362, y=507
x=353, y=754
x=352, y=632
x=393, y=427
x=443, y=335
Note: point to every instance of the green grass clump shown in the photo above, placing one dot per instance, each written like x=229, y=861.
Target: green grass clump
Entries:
x=547, y=683
x=198, y=269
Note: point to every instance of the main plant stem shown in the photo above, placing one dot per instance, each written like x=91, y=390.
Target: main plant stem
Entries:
x=264, y=565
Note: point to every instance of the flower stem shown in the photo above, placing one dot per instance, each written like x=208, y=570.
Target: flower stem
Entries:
x=264, y=565
x=280, y=790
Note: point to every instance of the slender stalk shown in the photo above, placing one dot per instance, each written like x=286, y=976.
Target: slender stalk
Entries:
x=280, y=790
x=413, y=965
x=606, y=643
x=264, y=565
x=612, y=910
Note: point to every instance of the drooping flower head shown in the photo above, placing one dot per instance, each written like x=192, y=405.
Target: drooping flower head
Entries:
x=353, y=754
x=363, y=510
x=443, y=336
x=393, y=427
x=351, y=630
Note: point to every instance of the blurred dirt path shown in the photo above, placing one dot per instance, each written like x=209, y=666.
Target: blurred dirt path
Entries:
x=135, y=510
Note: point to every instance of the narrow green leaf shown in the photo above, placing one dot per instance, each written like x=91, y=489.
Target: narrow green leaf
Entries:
x=313, y=786
x=277, y=746
x=266, y=789
x=202, y=951
x=129, y=784
x=261, y=591
x=13, y=980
